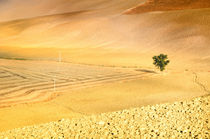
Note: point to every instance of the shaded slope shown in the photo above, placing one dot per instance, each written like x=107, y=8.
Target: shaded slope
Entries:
x=167, y=5
x=19, y=9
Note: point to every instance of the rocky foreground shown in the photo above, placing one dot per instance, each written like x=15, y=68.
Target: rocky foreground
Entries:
x=186, y=119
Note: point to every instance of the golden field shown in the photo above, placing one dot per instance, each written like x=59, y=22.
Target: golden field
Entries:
x=69, y=58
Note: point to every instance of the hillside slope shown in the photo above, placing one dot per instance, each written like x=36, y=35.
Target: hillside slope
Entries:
x=21, y=9
x=107, y=37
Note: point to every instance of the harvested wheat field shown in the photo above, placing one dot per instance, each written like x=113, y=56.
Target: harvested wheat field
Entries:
x=34, y=81
x=90, y=63
x=56, y=90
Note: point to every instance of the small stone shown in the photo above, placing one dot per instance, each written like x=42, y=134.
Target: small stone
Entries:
x=101, y=123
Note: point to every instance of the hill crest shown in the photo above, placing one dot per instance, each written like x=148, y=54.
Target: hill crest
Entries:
x=168, y=5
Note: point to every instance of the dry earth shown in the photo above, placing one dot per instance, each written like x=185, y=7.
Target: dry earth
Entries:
x=104, y=36
x=84, y=90
x=98, y=33
x=34, y=81
x=185, y=119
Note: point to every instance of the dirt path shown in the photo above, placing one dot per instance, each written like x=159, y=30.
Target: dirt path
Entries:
x=200, y=84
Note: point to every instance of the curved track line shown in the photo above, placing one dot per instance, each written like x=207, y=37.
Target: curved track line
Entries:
x=49, y=84
x=22, y=83
x=36, y=97
x=200, y=84
x=66, y=84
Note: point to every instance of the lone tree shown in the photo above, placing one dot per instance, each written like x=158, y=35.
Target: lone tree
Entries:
x=161, y=61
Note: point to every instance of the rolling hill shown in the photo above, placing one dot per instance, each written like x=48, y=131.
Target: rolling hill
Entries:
x=70, y=58
x=97, y=32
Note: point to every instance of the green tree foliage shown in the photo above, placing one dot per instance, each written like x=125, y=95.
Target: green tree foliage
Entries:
x=161, y=61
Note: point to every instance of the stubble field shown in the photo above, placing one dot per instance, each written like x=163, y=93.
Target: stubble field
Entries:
x=35, y=81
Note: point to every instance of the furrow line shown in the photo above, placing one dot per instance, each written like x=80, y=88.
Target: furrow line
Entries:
x=72, y=85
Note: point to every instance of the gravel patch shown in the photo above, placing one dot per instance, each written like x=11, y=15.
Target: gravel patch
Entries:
x=184, y=119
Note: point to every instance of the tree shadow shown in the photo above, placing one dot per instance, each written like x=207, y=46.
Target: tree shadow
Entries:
x=145, y=70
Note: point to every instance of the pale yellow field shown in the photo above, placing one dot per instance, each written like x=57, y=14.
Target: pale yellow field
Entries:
x=34, y=81
x=83, y=90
